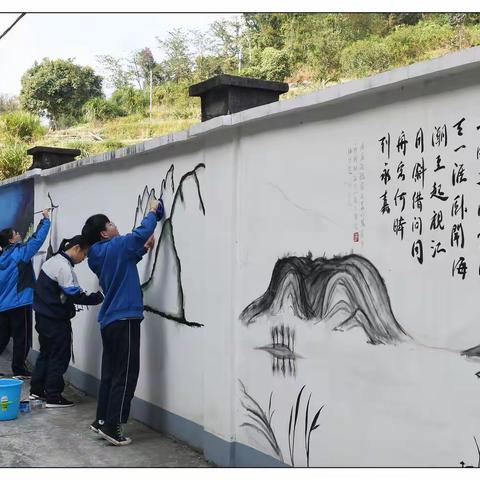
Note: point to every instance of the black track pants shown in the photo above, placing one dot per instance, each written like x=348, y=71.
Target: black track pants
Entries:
x=120, y=368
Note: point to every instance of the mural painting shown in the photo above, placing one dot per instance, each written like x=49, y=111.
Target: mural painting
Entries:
x=331, y=318
x=162, y=287
x=16, y=205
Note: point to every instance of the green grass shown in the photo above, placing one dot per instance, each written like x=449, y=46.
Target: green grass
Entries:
x=97, y=137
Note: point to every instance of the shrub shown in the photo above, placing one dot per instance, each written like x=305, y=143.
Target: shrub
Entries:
x=168, y=93
x=408, y=44
x=20, y=126
x=324, y=55
x=65, y=121
x=207, y=66
x=99, y=109
x=175, y=99
x=130, y=100
x=365, y=57
x=272, y=64
x=13, y=160
x=472, y=35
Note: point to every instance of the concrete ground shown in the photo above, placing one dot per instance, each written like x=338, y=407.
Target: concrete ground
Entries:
x=61, y=438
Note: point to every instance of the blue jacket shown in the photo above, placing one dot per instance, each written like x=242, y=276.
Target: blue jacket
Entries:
x=114, y=262
x=17, y=278
x=57, y=290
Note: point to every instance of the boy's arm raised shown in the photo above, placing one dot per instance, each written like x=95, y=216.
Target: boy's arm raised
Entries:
x=135, y=241
x=36, y=241
x=149, y=244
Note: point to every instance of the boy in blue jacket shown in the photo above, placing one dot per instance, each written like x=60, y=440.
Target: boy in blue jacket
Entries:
x=17, y=280
x=56, y=293
x=113, y=258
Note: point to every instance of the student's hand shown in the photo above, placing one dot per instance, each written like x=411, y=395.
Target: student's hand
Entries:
x=150, y=243
x=46, y=213
x=154, y=205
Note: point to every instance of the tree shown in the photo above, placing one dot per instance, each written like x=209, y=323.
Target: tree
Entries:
x=141, y=64
x=207, y=66
x=266, y=29
x=403, y=18
x=228, y=34
x=204, y=43
x=178, y=63
x=8, y=103
x=125, y=72
x=58, y=89
x=216, y=50
x=116, y=73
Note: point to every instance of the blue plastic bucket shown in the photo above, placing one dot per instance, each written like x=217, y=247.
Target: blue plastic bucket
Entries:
x=10, y=391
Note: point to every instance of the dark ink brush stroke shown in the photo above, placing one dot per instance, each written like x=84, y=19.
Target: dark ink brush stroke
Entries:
x=179, y=191
x=471, y=352
x=143, y=203
x=167, y=234
x=53, y=222
x=148, y=194
x=312, y=285
x=259, y=420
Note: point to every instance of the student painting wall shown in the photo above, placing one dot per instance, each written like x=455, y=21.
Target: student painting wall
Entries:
x=312, y=297
x=166, y=271
x=172, y=297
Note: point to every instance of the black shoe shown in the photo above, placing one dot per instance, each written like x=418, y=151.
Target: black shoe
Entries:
x=22, y=375
x=113, y=433
x=59, y=403
x=36, y=396
x=96, y=425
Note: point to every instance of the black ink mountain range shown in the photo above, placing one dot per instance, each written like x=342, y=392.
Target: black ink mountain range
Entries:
x=166, y=246
x=318, y=289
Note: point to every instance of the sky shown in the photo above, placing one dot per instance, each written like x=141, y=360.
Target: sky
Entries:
x=83, y=36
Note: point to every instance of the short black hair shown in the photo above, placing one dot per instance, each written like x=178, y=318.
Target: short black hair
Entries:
x=93, y=227
x=5, y=236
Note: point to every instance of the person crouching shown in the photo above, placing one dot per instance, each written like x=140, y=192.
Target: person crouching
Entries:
x=56, y=293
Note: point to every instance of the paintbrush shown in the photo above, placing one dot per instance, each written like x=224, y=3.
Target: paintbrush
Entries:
x=49, y=209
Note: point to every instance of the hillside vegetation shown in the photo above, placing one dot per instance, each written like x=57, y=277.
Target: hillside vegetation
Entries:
x=309, y=51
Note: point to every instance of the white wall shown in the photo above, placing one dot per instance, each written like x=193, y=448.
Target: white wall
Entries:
x=411, y=404
x=171, y=355
x=280, y=181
